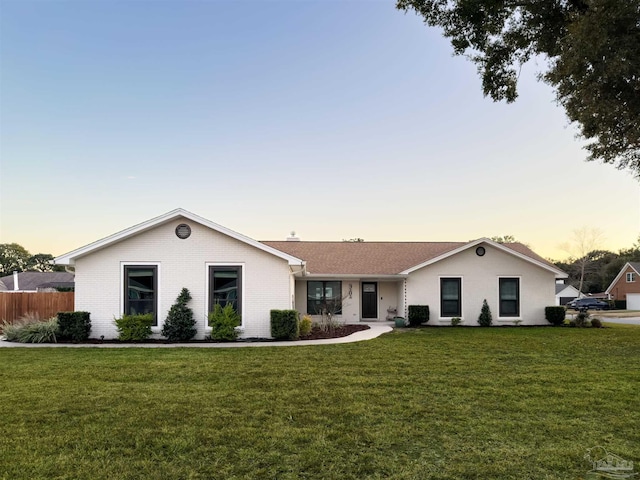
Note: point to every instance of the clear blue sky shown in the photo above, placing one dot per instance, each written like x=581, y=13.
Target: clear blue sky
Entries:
x=335, y=119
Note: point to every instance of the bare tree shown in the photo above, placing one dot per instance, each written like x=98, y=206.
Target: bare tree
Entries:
x=583, y=241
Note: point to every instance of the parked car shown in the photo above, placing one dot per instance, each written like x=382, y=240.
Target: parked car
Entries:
x=588, y=304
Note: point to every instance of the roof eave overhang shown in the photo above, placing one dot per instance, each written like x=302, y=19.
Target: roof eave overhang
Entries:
x=71, y=257
x=355, y=276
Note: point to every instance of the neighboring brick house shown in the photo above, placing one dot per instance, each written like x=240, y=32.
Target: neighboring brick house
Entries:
x=143, y=268
x=626, y=284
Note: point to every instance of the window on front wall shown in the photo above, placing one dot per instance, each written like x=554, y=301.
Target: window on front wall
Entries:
x=225, y=287
x=450, y=297
x=140, y=290
x=631, y=277
x=509, y=291
x=324, y=297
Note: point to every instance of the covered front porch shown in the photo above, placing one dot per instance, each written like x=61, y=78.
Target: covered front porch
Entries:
x=352, y=299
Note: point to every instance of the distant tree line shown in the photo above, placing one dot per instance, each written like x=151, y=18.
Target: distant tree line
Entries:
x=16, y=258
x=600, y=267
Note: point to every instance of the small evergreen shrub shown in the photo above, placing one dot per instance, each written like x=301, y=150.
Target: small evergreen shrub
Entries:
x=284, y=324
x=596, y=323
x=223, y=323
x=582, y=319
x=555, y=315
x=455, y=321
x=75, y=326
x=620, y=304
x=485, y=319
x=134, y=328
x=418, y=314
x=305, y=325
x=180, y=324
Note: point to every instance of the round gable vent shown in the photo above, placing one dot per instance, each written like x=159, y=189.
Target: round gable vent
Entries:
x=183, y=231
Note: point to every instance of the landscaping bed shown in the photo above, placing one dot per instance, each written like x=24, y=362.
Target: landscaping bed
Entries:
x=316, y=334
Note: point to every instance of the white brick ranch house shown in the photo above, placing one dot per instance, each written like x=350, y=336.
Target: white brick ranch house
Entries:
x=143, y=269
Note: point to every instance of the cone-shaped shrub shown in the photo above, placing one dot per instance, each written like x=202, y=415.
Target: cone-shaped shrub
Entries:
x=180, y=324
x=485, y=319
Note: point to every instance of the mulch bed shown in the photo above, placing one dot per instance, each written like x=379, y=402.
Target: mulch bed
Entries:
x=316, y=334
x=341, y=331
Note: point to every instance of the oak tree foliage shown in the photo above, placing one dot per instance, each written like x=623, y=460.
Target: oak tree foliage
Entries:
x=592, y=51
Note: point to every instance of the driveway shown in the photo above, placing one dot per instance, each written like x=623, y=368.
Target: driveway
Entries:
x=610, y=319
x=628, y=320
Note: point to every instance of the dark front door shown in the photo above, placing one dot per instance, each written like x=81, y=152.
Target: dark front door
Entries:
x=369, y=300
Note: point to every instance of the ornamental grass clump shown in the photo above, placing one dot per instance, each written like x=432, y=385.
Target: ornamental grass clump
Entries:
x=29, y=329
x=180, y=324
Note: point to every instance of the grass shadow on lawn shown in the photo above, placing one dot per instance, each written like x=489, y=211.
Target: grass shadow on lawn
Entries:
x=455, y=403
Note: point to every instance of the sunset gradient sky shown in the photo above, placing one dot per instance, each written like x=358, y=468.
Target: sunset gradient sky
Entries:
x=335, y=119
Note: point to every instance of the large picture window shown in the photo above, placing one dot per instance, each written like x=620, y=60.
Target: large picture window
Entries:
x=509, y=297
x=450, y=297
x=225, y=287
x=324, y=297
x=141, y=290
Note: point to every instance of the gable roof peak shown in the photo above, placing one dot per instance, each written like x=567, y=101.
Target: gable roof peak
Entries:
x=70, y=257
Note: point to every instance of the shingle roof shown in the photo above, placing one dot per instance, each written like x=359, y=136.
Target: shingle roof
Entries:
x=33, y=280
x=635, y=266
x=374, y=258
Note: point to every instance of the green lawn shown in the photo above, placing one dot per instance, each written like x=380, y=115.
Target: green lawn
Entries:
x=438, y=403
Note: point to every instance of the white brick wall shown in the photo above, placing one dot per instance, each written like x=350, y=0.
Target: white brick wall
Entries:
x=181, y=263
x=479, y=281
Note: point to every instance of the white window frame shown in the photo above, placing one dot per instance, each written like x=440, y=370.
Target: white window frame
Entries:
x=510, y=319
x=631, y=277
x=440, y=277
x=243, y=276
x=155, y=328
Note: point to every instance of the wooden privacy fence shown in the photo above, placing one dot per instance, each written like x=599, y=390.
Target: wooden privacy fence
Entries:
x=43, y=304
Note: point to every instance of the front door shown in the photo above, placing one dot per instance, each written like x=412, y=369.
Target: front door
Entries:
x=369, y=300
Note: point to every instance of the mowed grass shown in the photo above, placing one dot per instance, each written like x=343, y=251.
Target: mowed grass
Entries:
x=437, y=403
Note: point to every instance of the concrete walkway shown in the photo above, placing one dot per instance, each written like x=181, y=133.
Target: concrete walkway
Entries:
x=375, y=331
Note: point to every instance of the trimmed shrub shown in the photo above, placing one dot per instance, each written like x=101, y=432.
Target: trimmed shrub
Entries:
x=180, y=324
x=555, y=314
x=305, y=325
x=596, y=323
x=284, y=324
x=455, y=321
x=485, y=319
x=75, y=326
x=418, y=314
x=134, y=328
x=223, y=323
